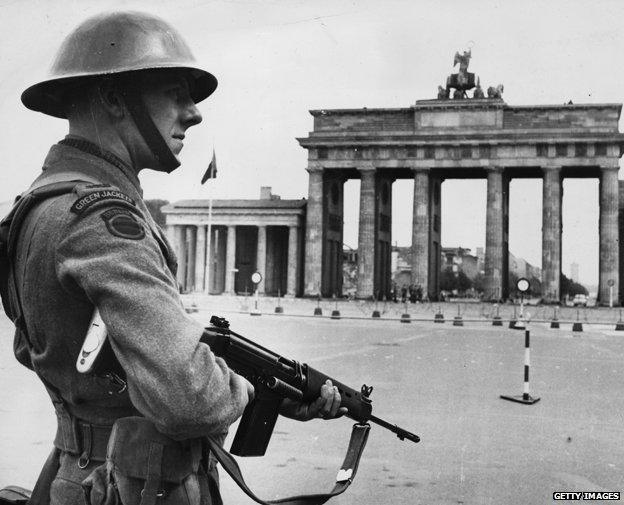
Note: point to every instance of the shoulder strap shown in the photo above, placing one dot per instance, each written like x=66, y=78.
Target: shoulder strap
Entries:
x=345, y=476
x=9, y=232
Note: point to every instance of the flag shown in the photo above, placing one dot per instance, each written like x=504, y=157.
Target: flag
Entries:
x=211, y=171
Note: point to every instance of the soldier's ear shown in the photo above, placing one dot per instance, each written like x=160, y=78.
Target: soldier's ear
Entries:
x=111, y=99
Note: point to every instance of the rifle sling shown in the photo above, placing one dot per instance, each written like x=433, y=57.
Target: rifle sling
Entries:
x=359, y=436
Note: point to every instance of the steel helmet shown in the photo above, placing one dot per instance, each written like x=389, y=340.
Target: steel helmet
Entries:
x=116, y=43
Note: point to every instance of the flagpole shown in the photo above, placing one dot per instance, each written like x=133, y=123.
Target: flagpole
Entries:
x=209, y=244
x=211, y=173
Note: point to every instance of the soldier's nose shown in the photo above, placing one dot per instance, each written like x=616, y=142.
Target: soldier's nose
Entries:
x=192, y=116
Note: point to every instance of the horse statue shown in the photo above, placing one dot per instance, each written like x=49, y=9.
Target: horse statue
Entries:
x=478, y=92
x=495, y=92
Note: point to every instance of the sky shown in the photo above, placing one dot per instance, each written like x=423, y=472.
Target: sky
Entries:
x=276, y=60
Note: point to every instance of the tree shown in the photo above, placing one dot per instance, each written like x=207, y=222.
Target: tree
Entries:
x=463, y=282
x=154, y=207
x=452, y=281
x=447, y=279
x=478, y=283
x=536, y=286
x=571, y=288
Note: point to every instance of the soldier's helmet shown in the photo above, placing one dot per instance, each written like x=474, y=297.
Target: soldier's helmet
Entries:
x=115, y=43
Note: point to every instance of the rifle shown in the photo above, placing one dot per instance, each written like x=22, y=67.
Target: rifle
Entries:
x=276, y=378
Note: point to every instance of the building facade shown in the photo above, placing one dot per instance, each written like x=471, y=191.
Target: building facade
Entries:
x=219, y=245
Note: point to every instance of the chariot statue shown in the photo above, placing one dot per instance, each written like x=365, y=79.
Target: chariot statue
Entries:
x=463, y=80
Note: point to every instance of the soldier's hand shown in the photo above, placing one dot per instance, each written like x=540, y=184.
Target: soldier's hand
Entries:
x=246, y=386
x=326, y=406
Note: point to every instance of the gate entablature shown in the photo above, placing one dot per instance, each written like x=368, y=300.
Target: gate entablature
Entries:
x=467, y=133
x=477, y=137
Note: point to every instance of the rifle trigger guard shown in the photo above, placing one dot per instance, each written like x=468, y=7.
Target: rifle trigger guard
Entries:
x=298, y=370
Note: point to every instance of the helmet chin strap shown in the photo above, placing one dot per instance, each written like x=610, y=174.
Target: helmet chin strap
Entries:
x=167, y=162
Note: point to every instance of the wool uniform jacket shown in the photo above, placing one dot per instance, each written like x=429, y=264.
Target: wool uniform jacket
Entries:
x=100, y=248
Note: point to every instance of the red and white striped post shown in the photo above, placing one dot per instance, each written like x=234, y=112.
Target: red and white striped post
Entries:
x=526, y=397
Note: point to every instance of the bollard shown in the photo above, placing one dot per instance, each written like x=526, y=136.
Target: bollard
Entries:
x=255, y=311
x=525, y=398
x=512, y=321
x=497, y=320
x=577, y=326
x=335, y=313
x=279, y=309
x=458, y=320
x=405, y=317
x=439, y=317
x=619, y=326
x=555, y=321
x=317, y=310
x=376, y=311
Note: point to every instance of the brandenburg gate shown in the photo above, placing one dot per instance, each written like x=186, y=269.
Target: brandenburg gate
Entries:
x=456, y=137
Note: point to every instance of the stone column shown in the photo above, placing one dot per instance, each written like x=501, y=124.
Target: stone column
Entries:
x=293, y=260
x=366, y=236
x=170, y=230
x=609, y=252
x=180, y=250
x=261, y=257
x=420, y=230
x=230, y=260
x=200, y=259
x=191, y=236
x=494, y=235
x=551, y=234
x=314, y=233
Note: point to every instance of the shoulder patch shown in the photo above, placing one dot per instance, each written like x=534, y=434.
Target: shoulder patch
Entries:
x=122, y=223
x=98, y=195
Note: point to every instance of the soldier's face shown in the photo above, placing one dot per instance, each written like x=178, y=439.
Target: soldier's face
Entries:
x=168, y=102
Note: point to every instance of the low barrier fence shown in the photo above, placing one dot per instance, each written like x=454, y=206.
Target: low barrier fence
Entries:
x=455, y=313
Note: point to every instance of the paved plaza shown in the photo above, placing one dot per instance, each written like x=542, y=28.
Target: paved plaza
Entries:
x=440, y=381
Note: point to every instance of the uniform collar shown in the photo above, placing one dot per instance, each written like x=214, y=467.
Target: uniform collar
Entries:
x=80, y=156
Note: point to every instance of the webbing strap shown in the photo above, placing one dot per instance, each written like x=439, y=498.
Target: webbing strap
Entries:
x=148, y=130
x=11, y=226
x=345, y=476
x=151, y=492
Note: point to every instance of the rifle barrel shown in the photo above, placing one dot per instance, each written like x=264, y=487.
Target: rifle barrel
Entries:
x=400, y=432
